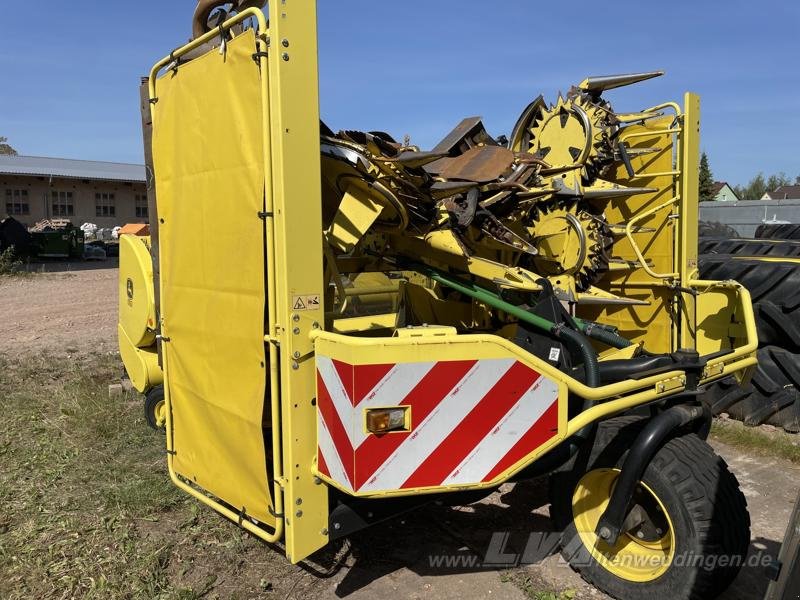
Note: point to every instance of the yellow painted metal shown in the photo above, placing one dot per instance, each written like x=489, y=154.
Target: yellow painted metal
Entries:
x=424, y=331
x=274, y=171
x=611, y=399
x=647, y=249
x=784, y=259
x=212, y=294
x=559, y=234
x=369, y=350
x=441, y=249
x=629, y=558
x=357, y=212
x=563, y=132
x=160, y=413
x=365, y=323
x=634, y=223
x=444, y=344
x=141, y=364
x=687, y=232
x=298, y=269
x=137, y=309
x=724, y=319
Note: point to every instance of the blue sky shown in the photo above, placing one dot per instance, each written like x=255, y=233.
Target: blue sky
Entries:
x=70, y=71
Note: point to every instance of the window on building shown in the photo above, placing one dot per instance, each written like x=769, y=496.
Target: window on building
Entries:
x=140, y=201
x=105, y=205
x=63, y=205
x=17, y=202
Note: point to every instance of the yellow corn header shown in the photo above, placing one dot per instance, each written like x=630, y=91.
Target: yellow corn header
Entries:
x=329, y=321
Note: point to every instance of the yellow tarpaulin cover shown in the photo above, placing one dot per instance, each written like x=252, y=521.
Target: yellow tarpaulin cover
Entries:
x=207, y=150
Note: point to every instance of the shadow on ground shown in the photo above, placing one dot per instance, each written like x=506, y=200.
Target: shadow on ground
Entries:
x=461, y=535
x=415, y=540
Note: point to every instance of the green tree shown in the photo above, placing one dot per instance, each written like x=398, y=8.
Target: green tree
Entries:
x=754, y=190
x=706, y=180
x=776, y=181
x=760, y=185
x=5, y=148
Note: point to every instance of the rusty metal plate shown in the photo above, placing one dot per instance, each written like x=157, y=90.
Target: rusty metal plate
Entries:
x=481, y=164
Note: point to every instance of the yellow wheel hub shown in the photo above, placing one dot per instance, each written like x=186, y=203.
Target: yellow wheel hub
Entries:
x=570, y=242
x=643, y=553
x=561, y=243
x=571, y=132
x=160, y=412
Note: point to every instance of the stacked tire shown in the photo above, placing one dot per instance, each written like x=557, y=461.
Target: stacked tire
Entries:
x=770, y=269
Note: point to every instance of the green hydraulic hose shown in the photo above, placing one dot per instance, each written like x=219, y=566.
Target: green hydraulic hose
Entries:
x=601, y=333
x=593, y=330
x=590, y=364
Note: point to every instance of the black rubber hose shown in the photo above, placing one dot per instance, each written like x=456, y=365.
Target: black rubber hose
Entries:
x=603, y=334
x=590, y=363
x=641, y=453
x=559, y=331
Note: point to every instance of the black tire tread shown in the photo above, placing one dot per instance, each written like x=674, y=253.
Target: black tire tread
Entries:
x=776, y=327
x=772, y=397
x=774, y=232
x=767, y=281
x=709, y=491
x=747, y=247
x=151, y=398
x=716, y=229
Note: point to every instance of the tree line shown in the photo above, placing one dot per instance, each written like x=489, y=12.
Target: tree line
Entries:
x=752, y=190
x=5, y=147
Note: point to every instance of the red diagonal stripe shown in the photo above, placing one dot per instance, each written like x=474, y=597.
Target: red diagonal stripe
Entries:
x=541, y=431
x=365, y=378
x=339, y=434
x=322, y=466
x=475, y=427
x=425, y=396
x=345, y=372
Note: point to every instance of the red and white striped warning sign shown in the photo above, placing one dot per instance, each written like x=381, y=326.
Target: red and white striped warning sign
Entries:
x=470, y=421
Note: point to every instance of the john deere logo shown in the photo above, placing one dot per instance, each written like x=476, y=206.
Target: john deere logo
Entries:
x=129, y=288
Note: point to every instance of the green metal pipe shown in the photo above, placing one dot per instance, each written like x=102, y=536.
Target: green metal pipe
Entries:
x=592, y=330
x=573, y=338
x=470, y=289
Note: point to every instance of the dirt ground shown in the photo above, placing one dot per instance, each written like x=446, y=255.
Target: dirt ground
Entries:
x=72, y=309
x=60, y=305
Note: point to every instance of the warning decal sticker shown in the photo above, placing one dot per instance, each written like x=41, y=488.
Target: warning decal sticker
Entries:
x=306, y=302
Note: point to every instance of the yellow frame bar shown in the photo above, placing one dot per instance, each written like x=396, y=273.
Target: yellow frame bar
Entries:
x=611, y=399
x=290, y=146
x=261, y=41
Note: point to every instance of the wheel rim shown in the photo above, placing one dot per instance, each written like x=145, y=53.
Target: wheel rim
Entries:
x=642, y=553
x=160, y=413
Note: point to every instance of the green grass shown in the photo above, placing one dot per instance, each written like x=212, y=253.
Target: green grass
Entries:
x=534, y=587
x=86, y=506
x=10, y=264
x=765, y=442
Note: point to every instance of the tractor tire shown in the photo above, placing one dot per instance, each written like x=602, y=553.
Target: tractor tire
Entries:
x=772, y=397
x=723, y=394
x=774, y=288
x=758, y=247
x=776, y=327
x=767, y=281
x=690, y=499
x=778, y=232
x=155, y=408
x=716, y=229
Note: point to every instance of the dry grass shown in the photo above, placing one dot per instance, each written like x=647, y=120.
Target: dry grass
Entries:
x=764, y=440
x=86, y=506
